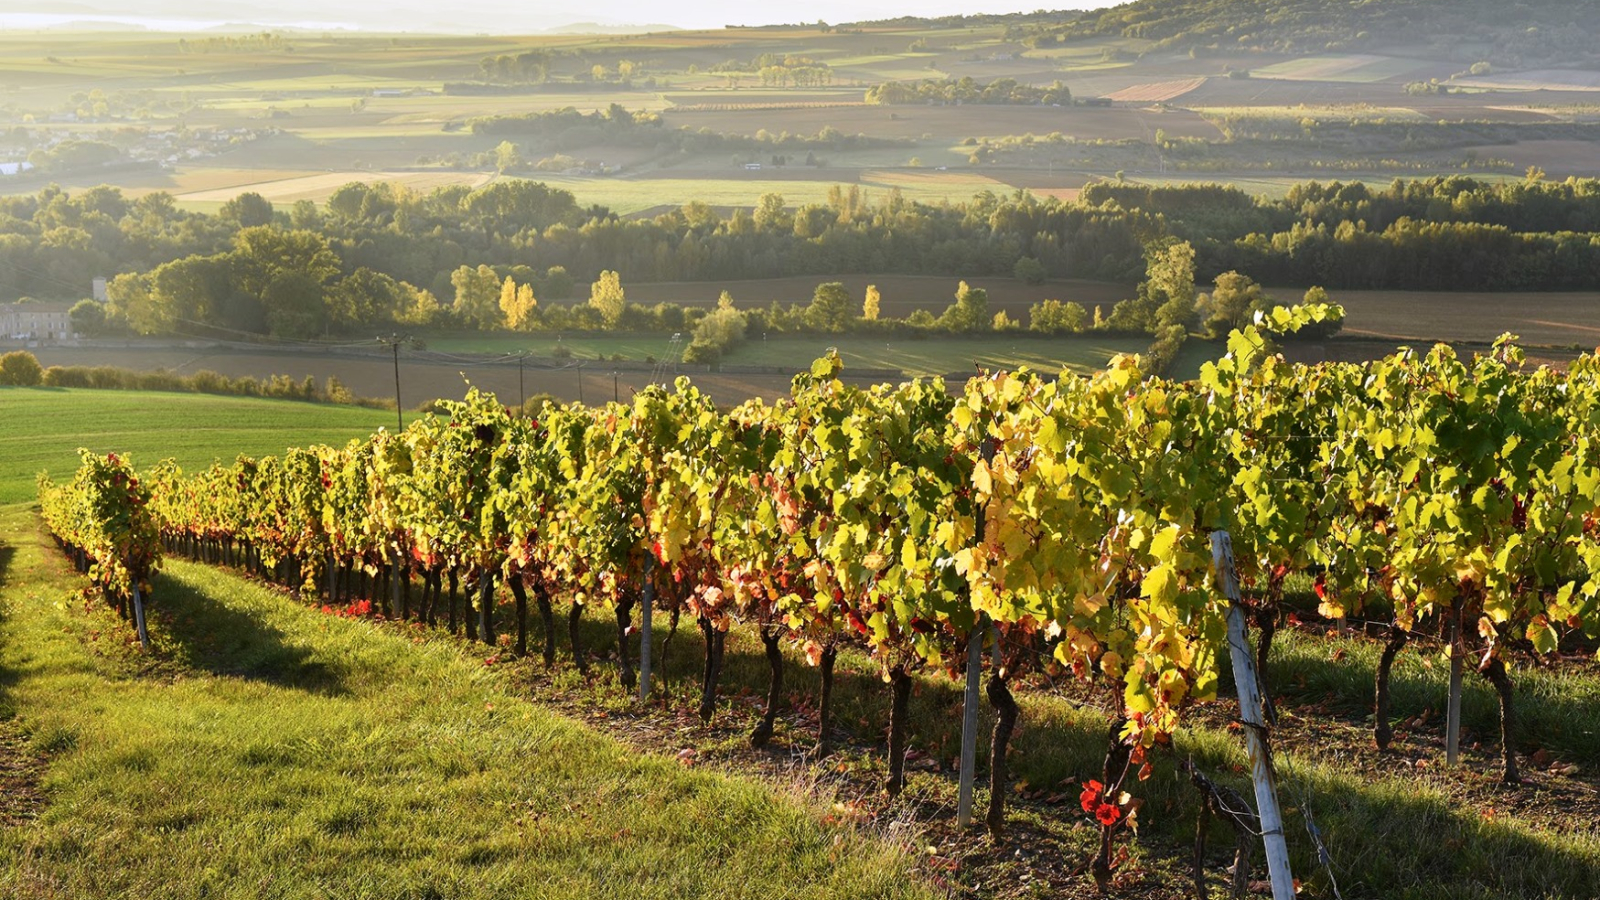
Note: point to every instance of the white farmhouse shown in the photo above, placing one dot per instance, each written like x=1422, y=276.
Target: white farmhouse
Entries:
x=42, y=321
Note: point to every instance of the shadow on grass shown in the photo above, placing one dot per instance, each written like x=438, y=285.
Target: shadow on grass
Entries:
x=1387, y=837
x=204, y=634
x=1556, y=712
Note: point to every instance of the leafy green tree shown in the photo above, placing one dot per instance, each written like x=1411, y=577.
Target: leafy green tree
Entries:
x=970, y=312
x=294, y=305
x=829, y=309
x=507, y=157
x=247, y=210
x=1029, y=270
x=264, y=253
x=364, y=297
x=558, y=284
x=477, y=296
x=1232, y=303
x=770, y=214
x=88, y=317
x=715, y=335
x=1169, y=270
x=1055, y=317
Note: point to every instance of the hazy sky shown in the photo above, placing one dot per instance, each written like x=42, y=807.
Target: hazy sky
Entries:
x=489, y=15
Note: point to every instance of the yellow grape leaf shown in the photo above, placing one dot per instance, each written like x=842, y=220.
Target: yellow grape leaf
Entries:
x=1542, y=634
x=1160, y=585
x=981, y=479
x=1111, y=664
x=1161, y=545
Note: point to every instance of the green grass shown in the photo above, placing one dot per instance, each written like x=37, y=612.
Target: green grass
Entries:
x=271, y=751
x=45, y=426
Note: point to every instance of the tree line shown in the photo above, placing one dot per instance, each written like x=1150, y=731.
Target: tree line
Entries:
x=379, y=254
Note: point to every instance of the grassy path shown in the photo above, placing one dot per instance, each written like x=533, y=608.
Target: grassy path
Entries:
x=272, y=751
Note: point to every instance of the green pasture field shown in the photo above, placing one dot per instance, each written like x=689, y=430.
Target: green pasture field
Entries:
x=265, y=749
x=47, y=425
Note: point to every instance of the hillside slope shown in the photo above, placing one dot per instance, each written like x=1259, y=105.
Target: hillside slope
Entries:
x=1511, y=33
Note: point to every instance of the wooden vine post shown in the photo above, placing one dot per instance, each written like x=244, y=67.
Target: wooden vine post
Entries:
x=648, y=597
x=969, y=724
x=395, y=579
x=1251, y=714
x=138, y=616
x=969, y=704
x=1452, y=730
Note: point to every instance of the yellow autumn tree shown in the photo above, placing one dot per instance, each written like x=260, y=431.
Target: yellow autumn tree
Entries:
x=518, y=304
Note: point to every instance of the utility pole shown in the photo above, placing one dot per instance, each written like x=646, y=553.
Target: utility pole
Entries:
x=616, y=395
x=394, y=341
x=522, y=392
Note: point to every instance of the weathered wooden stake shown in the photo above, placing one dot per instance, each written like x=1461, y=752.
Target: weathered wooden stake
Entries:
x=648, y=611
x=397, y=574
x=1251, y=713
x=969, y=725
x=138, y=617
x=1452, y=727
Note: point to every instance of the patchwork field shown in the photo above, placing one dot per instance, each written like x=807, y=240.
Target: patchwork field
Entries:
x=1559, y=159
x=320, y=187
x=1536, y=80
x=1359, y=68
x=1538, y=318
x=1155, y=92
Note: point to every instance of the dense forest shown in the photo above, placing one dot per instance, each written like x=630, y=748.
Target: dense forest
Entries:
x=1513, y=32
x=377, y=253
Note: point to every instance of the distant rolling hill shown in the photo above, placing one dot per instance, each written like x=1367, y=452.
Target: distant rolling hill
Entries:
x=1513, y=33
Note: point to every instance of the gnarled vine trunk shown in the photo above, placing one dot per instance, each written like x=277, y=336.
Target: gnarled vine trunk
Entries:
x=900, y=688
x=624, y=610
x=1266, y=620
x=1116, y=764
x=771, y=638
x=1495, y=671
x=541, y=598
x=1005, y=722
x=825, y=705
x=716, y=640
x=519, y=593
x=1381, y=732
